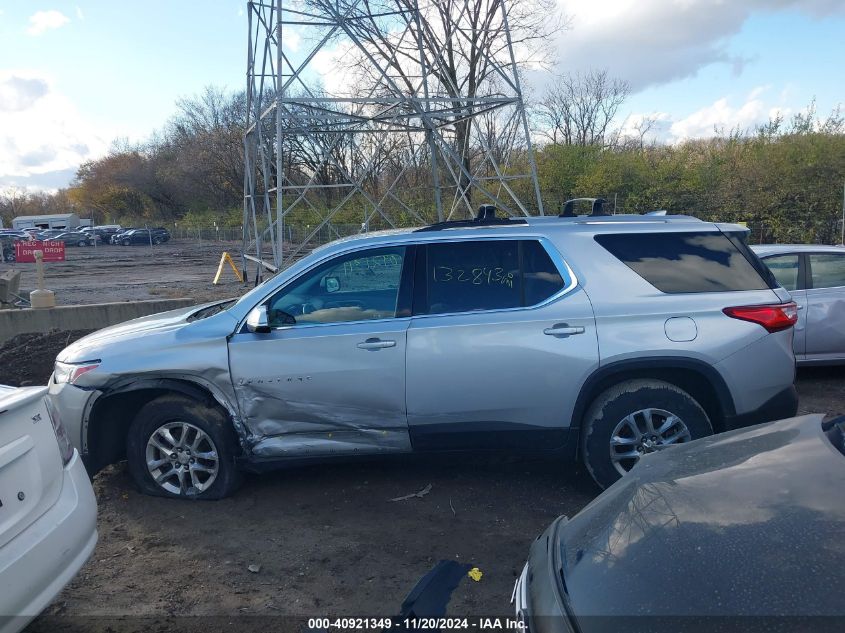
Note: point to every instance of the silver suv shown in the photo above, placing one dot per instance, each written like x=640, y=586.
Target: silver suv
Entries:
x=592, y=337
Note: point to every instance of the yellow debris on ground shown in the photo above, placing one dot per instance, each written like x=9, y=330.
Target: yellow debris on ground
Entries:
x=475, y=573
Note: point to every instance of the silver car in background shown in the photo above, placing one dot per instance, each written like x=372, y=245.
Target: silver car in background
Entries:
x=599, y=338
x=815, y=277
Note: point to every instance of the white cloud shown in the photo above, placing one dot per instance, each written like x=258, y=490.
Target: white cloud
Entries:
x=722, y=115
x=291, y=40
x=42, y=132
x=650, y=42
x=42, y=21
x=79, y=14
x=329, y=66
x=19, y=93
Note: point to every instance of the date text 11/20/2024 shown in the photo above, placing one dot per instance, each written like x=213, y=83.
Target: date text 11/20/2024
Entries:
x=426, y=624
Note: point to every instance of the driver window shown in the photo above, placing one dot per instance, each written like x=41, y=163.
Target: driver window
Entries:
x=355, y=287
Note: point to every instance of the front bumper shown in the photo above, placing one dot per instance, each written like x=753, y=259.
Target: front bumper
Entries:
x=73, y=405
x=782, y=405
x=37, y=564
x=536, y=598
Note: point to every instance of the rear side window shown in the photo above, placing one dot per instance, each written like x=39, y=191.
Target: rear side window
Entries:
x=785, y=270
x=686, y=262
x=827, y=270
x=541, y=278
x=484, y=275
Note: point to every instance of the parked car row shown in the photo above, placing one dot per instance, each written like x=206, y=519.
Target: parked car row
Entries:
x=129, y=236
x=71, y=237
x=88, y=236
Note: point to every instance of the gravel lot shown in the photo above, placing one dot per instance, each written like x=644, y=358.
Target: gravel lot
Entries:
x=130, y=273
x=328, y=539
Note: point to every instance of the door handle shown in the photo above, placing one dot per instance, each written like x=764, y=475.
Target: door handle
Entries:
x=799, y=307
x=562, y=329
x=376, y=343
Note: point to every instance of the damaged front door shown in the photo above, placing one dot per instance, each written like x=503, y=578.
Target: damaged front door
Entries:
x=329, y=376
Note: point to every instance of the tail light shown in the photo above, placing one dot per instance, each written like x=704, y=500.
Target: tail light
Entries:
x=65, y=445
x=775, y=317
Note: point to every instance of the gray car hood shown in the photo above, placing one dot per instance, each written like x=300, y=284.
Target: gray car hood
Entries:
x=89, y=347
x=750, y=522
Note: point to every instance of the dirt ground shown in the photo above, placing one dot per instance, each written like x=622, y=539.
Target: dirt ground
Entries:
x=179, y=268
x=328, y=539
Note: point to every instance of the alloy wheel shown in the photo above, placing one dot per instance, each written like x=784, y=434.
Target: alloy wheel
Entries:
x=182, y=458
x=645, y=431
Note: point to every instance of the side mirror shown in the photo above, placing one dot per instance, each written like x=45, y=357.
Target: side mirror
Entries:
x=257, y=321
x=332, y=284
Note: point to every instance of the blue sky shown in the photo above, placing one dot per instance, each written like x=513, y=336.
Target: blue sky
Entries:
x=76, y=75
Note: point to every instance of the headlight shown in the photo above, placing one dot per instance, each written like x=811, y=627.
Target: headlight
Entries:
x=68, y=372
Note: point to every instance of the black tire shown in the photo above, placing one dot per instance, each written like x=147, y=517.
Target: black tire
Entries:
x=126, y=242
x=83, y=243
x=157, y=240
x=615, y=404
x=179, y=410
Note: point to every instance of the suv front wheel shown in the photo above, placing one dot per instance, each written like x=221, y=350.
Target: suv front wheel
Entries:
x=178, y=447
x=637, y=417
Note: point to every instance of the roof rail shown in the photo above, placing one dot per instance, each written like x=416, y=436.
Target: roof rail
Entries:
x=568, y=210
x=486, y=217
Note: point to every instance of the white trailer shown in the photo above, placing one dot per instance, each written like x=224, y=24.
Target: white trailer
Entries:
x=54, y=221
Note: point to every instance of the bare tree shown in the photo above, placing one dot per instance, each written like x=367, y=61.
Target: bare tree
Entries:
x=12, y=202
x=638, y=130
x=464, y=45
x=579, y=108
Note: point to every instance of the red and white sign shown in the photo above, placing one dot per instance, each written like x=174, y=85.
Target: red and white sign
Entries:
x=53, y=251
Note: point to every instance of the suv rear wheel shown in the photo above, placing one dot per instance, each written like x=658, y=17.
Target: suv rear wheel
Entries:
x=178, y=447
x=637, y=417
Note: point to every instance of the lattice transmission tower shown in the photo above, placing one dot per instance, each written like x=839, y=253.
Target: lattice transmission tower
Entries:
x=369, y=114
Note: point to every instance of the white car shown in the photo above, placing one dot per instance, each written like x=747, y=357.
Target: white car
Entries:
x=48, y=513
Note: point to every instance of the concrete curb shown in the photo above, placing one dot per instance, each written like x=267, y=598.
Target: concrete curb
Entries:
x=81, y=317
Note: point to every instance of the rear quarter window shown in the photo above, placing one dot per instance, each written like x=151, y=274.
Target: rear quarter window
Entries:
x=785, y=269
x=687, y=262
x=827, y=270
